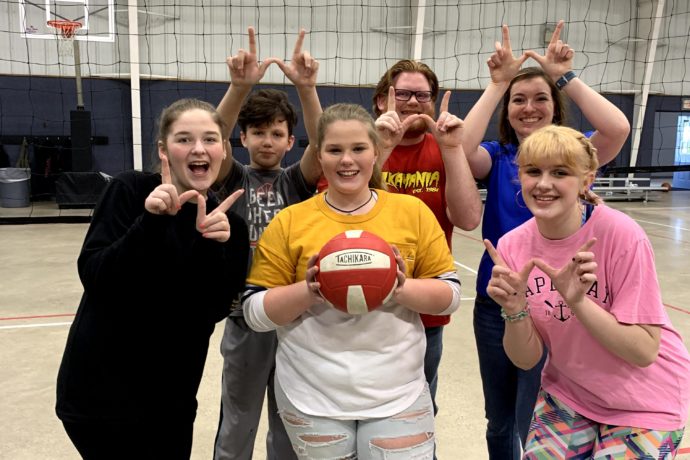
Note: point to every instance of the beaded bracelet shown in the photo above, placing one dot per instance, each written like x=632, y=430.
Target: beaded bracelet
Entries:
x=522, y=314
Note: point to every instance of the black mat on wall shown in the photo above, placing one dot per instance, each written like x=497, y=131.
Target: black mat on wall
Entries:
x=79, y=189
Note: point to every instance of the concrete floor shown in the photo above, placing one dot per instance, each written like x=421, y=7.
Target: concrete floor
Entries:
x=40, y=291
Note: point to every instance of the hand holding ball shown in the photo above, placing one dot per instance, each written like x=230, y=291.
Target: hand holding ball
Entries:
x=357, y=271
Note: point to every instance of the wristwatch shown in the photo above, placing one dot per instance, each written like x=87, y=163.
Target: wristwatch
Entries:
x=565, y=79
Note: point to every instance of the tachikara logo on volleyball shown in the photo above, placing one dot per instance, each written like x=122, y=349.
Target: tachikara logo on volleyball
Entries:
x=354, y=258
x=357, y=271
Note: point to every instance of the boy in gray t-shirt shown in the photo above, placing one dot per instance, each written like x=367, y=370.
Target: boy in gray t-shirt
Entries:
x=266, y=121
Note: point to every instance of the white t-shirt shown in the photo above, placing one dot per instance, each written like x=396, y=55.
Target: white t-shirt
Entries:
x=333, y=364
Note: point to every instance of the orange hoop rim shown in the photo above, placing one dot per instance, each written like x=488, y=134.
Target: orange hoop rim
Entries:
x=67, y=28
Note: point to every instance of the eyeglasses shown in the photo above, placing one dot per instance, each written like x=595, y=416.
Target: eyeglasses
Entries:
x=406, y=95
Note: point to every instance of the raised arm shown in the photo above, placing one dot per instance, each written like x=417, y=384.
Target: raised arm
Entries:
x=611, y=125
x=502, y=66
x=521, y=340
x=302, y=72
x=390, y=128
x=245, y=72
x=464, y=205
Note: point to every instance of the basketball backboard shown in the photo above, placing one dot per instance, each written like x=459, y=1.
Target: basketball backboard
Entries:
x=96, y=16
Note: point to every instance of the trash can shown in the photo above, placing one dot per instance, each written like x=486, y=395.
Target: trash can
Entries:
x=15, y=187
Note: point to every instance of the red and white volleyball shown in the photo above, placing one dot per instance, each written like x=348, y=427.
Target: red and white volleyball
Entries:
x=357, y=271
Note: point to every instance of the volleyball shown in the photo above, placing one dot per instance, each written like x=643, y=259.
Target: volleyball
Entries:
x=357, y=271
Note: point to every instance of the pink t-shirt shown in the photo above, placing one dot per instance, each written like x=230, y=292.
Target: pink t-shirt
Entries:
x=581, y=372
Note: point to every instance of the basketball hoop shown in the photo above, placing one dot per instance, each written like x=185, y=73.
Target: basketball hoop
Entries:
x=67, y=30
x=68, y=47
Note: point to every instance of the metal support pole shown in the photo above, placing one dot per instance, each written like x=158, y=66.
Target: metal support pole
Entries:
x=77, y=73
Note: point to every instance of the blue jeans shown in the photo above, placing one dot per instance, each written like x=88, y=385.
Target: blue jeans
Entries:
x=509, y=392
x=408, y=434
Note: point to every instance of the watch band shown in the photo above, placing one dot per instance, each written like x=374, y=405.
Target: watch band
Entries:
x=565, y=79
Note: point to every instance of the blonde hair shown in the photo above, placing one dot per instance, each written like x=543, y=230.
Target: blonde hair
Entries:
x=346, y=112
x=562, y=145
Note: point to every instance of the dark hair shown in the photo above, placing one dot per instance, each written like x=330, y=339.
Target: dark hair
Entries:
x=346, y=112
x=266, y=106
x=405, y=65
x=506, y=132
x=171, y=113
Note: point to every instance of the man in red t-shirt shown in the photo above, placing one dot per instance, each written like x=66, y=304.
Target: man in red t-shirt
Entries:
x=423, y=156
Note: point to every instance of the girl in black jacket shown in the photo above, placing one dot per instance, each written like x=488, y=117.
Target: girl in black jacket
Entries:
x=161, y=264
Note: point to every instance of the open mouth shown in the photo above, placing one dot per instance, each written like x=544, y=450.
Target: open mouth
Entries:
x=348, y=173
x=198, y=167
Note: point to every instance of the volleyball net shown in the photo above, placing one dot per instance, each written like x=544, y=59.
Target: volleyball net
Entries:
x=133, y=58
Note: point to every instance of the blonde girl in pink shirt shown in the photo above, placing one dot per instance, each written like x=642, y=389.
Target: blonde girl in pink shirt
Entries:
x=579, y=279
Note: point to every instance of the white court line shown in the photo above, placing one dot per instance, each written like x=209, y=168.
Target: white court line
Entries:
x=671, y=208
x=28, y=326
x=662, y=225
x=458, y=264
x=24, y=326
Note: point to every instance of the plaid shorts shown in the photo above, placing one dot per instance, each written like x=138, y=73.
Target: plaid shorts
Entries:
x=558, y=432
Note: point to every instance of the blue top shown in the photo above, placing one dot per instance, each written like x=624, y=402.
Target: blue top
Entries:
x=504, y=208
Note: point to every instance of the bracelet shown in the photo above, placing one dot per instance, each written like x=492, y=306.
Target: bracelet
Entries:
x=565, y=79
x=522, y=314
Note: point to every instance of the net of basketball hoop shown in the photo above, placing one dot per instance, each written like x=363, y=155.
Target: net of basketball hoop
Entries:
x=66, y=31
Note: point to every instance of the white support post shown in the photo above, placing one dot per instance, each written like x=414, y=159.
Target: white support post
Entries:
x=418, y=40
x=135, y=90
x=641, y=100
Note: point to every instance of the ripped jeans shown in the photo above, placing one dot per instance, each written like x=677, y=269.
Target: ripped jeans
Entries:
x=404, y=436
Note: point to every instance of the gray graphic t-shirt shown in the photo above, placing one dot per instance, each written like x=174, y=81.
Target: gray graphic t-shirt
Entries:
x=265, y=194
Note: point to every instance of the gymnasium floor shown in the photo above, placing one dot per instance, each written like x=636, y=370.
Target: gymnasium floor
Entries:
x=40, y=291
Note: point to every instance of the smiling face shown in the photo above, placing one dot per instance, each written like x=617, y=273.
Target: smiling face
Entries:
x=556, y=165
x=347, y=156
x=530, y=106
x=411, y=81
x=551, y=191
x=267, y=144
x=195, y=149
